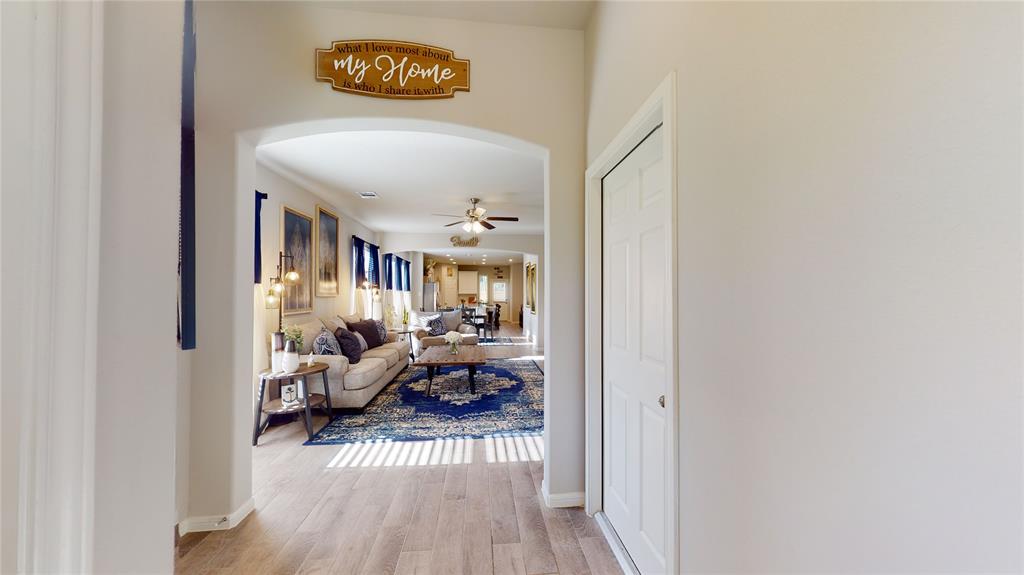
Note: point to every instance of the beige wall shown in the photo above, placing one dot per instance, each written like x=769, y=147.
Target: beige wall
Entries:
x=255, y=74
x=282, y=192
x=850, y=271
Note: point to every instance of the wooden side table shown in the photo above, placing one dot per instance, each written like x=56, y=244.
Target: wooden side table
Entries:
x=407, y=331
x=278, y=407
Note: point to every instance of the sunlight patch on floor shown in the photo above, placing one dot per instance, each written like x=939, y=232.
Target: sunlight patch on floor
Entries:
x=450, y=451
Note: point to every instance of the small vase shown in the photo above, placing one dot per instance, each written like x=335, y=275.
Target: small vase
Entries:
x=290, y=361
x=453, y=348
x=277, y=351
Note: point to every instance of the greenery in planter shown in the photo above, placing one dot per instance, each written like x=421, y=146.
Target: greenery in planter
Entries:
x=294, y=333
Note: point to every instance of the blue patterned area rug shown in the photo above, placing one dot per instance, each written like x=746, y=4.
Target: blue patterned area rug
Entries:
x=509, y=399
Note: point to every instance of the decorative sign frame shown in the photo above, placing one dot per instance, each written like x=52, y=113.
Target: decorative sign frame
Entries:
x=392, y=69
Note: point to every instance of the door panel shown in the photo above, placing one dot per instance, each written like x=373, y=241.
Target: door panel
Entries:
x=635, y=329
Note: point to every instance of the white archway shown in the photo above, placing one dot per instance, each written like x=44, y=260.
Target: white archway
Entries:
x=248, y=141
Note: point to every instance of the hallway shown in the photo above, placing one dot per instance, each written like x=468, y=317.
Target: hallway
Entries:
x=480, y=511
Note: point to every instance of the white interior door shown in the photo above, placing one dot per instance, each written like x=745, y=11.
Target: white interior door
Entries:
x=635, y=334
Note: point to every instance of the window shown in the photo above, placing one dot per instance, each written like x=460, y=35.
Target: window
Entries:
x=499, y=292
x=483, y=289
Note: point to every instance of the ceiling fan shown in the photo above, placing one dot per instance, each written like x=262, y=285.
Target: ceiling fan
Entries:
x=474, y=220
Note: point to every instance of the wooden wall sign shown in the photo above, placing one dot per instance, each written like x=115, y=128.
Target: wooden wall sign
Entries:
x=392, y=69
x=458, y=242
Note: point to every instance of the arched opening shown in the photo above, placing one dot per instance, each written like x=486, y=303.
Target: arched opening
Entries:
x=260, y=158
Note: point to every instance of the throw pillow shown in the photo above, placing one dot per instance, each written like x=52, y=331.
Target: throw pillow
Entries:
x=367, y=329
x=326, y=344
x=436, y=326
x=382, y=331
x=452, y=319
x=349, y=344
x=362, y=342
x=347, y=319
x=422, y=320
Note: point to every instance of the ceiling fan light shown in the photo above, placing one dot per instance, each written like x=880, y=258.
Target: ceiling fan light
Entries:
x=467, y=227
x=477, y=228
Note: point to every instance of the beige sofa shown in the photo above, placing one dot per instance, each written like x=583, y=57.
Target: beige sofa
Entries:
x=354, y=385
x=421, y=338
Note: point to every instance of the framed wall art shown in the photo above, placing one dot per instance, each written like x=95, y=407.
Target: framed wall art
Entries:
x=327, y=229
x=297, y=242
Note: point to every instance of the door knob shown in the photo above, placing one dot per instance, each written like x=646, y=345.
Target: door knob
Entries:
x=661, y=401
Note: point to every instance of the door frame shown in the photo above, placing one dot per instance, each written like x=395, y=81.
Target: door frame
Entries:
x=658, y=109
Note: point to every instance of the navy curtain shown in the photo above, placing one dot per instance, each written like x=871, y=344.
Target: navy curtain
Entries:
x=257, y=273
x=358, y=261
x=399, y=276
x=187, y=192
x=405, y=275
x=374, y=271
x=389, y=271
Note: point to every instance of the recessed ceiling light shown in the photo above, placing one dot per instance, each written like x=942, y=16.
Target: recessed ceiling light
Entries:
x=447, y=255
x=509, y=259
x=485, y=255
x=368, y=195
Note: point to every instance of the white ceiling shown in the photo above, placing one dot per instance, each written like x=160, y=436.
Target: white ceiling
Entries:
x=571, y=14
x=474, y=256
x=415, y=175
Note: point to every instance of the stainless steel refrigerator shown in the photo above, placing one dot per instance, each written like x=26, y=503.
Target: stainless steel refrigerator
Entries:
x=429, y=296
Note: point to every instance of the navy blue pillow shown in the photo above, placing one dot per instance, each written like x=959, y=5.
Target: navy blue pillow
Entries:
x=349, y=343
x=435, y=326
x=326, y=344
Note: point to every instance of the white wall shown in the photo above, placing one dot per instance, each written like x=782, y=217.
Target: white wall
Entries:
x=17, y=71
x=850, y=276
x=90, y=190
x=254, y=73
x=136, y=395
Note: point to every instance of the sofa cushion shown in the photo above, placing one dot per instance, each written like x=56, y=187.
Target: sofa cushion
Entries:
x=347, y=319
x=381, y=352
x=452, y=320
x=349, y=343
x=367, y=329
x=364, y=373
x=310, y=330
x=326, y=344
x=402, y=347
x=436, y=326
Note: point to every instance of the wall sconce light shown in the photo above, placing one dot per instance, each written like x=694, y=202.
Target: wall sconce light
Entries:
x=277, y=287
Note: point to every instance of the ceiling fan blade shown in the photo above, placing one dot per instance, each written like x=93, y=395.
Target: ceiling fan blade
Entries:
x=503, y=219
x=447, y=215
x=487, y=225
x=454, y=224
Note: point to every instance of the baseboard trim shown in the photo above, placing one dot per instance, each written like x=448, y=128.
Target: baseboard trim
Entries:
x=216, y=522
x=619, y=550
x=553, y=500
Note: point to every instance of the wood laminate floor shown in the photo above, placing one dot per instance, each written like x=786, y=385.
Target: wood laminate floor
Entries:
x=472, y=507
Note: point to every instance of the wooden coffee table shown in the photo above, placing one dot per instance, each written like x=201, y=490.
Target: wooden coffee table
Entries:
x=438, y=356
